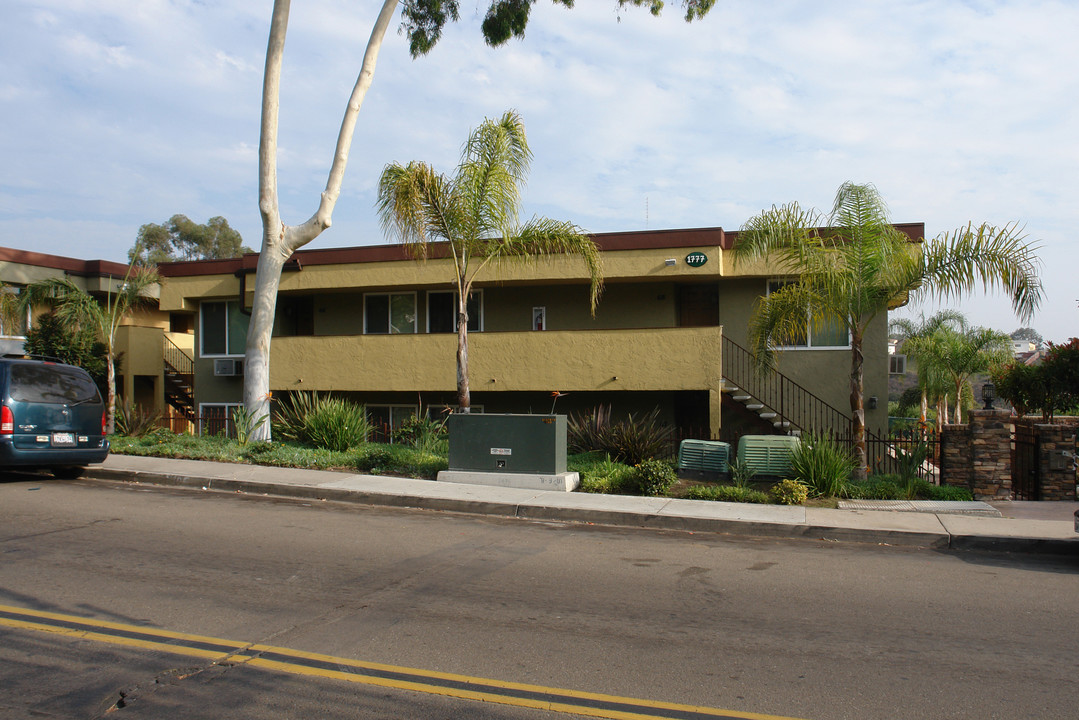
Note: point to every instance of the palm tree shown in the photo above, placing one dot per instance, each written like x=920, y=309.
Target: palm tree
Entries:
x=476, y=213
x=915, y=337
x=76, y=308
x=853, y=265
x=963, y=352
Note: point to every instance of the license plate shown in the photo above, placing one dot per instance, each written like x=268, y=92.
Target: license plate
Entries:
x=61, y=439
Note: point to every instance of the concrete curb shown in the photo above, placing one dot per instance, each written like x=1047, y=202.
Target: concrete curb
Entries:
x=654, y=519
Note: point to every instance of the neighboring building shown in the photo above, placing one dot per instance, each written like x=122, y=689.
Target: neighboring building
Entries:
x=377, y=326
x=139, y=340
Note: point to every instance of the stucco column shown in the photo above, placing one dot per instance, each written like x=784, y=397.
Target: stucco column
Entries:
x=715, y=398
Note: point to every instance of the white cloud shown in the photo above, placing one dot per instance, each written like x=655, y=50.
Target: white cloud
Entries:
x=120, y=112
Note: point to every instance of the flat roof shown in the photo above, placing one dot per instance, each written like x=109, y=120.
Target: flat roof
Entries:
x=607, y=242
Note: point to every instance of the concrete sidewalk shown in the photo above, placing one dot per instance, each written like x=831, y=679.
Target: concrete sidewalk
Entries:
x=932, y=525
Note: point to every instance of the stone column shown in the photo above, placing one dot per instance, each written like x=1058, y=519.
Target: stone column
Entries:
x=991, y=454
x=1056, y=464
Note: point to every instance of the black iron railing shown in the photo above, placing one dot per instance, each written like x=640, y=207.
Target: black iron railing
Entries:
x=795, y=407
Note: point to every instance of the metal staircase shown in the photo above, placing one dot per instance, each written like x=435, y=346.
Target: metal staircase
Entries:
x=179, y=379
x=774, y=397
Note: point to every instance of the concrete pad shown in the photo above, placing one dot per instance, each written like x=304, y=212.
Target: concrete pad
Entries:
x=565, y=482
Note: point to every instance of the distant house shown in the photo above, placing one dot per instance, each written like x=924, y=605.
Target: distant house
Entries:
x=377, y=326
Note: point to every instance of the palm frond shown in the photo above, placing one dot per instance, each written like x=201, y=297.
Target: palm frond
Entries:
x=992, y=257
x=543, y=237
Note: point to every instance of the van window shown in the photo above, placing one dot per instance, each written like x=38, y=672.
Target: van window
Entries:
x=37, y=383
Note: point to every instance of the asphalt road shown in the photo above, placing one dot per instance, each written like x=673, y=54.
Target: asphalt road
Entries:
x=115, y=581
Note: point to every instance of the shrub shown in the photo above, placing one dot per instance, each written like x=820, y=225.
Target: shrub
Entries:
x=631, y=441
x=375, y=459
x=741, y=473
x=653, y=477
x=822, y=465
x=601, y=475
x=425, y=434
x=877, y=487
x=947, y=492
x=789, y=492
x=325, y=422
x=725, y=493
x=245, y=424
x=135, y=420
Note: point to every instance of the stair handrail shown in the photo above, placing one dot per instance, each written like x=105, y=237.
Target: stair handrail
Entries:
x=177, y=358
x=792, y=403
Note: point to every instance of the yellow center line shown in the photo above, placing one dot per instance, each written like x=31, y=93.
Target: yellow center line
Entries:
x=298, y=662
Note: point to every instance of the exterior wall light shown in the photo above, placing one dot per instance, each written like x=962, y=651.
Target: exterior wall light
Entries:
x=671, y=262
x=989, y=394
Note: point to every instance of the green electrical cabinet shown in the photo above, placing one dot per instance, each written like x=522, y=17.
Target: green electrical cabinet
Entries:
x=767, y=454
x=485, y=442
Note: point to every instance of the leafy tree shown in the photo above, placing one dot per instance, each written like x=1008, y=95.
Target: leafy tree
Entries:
x=859, y=266
x=1050, y=386
x=51, y=337
x=422, y=23
x=184, y=239
x=78, y=310
x=476, y=213
x=1023, y=386
x=1061, y=367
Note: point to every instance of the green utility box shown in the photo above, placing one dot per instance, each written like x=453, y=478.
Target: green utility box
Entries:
x=704, y=456
x=487, y=442
x=767, y=454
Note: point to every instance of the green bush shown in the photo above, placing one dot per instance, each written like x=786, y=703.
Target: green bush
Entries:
x=425, y=434
x=653, y=477
x=789, y=492
x=631, y=441
x=135, y=420
x=725, y=493
x=741, y=473
x=325, y=422
x=600, y=474
x=823, y=465
x=375, y=458
x=947, y=492
x=877, y=487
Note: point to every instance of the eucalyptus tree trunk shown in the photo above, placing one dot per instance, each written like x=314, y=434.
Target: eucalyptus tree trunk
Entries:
x=279, y=241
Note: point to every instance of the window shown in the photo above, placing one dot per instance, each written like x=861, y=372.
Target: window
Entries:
x=385, y=419
x=832, y=333
x=897, y=364
x=389, y=314
x=442, y=312
x=224, y=329
x=216, y=418
x=539, y=318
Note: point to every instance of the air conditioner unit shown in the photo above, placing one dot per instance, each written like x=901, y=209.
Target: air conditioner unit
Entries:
x=767, y=454
x=703, y=455
x=228, y=367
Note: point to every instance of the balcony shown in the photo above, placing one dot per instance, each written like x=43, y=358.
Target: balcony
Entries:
x=581, y=360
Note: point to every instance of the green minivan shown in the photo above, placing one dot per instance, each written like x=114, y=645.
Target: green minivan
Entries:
x=52, y=417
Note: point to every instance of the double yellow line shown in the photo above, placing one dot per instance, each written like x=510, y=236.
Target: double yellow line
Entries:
x=230, y=652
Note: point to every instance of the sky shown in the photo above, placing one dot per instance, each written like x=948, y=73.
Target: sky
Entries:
x=117, y=113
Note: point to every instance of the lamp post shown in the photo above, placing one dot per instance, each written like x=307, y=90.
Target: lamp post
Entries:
x=989, y=394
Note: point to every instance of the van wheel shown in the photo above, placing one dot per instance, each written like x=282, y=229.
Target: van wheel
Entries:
x=69, y=472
